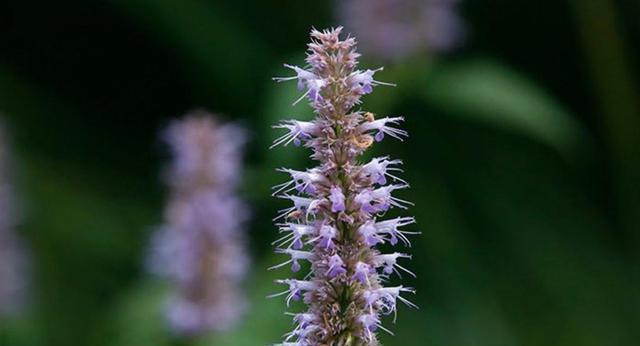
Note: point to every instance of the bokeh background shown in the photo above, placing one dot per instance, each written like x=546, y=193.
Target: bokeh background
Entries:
x=524, y=161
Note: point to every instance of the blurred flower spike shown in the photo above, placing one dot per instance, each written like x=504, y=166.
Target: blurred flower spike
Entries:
x=201, y=248
x=13, y=260
x=397, y=29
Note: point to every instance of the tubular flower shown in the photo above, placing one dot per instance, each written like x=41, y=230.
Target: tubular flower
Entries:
x=333, y=222
x=201, y=247
x=13, y=259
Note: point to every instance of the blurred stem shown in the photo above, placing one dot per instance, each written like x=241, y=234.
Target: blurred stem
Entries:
x=604, y=46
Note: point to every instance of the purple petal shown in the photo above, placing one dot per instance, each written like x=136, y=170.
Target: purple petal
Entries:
x=295, y=266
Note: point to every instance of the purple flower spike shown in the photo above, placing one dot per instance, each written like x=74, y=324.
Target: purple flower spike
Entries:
x=333, y=222
x=200, y=249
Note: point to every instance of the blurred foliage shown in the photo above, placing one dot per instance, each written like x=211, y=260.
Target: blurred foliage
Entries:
x=515, y=182
x=491, y=93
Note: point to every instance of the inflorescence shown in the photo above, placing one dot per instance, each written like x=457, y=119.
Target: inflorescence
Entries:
x=398, y=29
x=201, y=247
x=335, y=222
x=13, y=257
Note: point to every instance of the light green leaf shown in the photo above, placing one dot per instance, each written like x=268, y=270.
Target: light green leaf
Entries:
x=493, y=94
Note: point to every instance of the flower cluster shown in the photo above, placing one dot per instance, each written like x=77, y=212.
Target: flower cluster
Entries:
x=201, y=247
x=13, y=261
x=394, y=29
x=335, y=222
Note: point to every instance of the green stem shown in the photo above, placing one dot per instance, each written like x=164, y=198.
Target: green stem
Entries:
x=605, y=49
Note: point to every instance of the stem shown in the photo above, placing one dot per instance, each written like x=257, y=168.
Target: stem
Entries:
x=610, y=70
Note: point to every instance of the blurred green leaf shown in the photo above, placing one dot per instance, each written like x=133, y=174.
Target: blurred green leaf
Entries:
x=493, y=94
x=515, y=251
x=137, y=318
x=216, y=49
x=84, y=239
x=20, y=330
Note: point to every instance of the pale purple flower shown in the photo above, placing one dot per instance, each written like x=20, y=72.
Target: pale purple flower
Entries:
x=296, y=256
x=298, y=131
x=369, y=322
x=296, y=289
x=201, y=247
x=378, y=170
x=369, y=233
x=372, y=201
x=325, y=238
x=303, y=76
x=337, y=199
x=397, y=29
x=300, y=181
x=335, y=266
x=13, y=256
x=333, y=223
x=304, y=319
x=380, y=127
x=390, y=229
x=365, y=82
x=361, y=272
x=306, y=79
x=303, y=204
x=385, y=298
x=389, y=265
x=294, y=234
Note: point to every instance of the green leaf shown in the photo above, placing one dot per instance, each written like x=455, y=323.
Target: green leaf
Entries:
x=215, y=48
x=138, y=318
x=487, y=92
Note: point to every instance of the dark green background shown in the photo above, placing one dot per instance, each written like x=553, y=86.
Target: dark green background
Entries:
x=523, y=160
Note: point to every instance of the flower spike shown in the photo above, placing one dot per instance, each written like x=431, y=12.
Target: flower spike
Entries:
x=333, y=223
